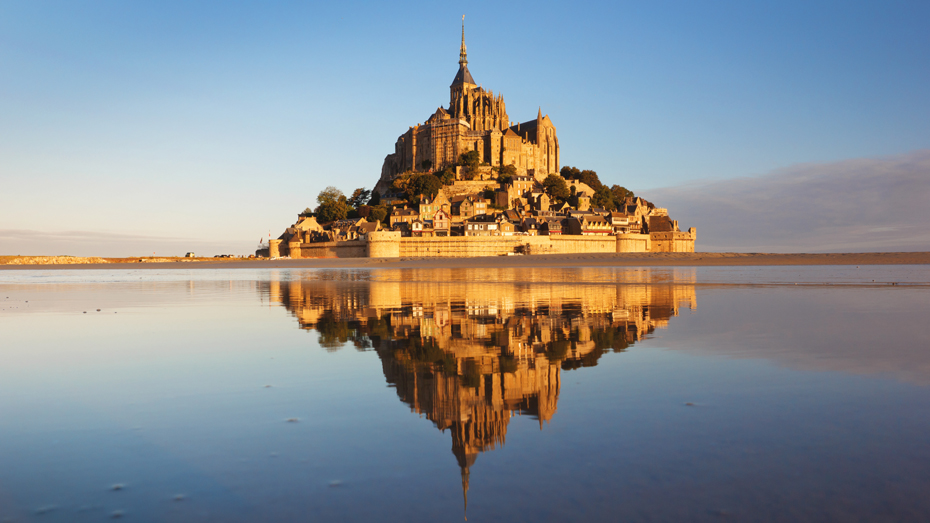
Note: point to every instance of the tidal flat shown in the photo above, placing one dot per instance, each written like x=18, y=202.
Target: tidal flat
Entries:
x=772, y=393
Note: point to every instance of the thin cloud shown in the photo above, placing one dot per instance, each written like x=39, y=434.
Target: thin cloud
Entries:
x=109, y=244
x=854, y=205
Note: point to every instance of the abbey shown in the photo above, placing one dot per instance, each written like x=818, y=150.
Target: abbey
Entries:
x=476, y=120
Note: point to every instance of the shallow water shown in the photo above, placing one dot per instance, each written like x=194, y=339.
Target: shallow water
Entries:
x=791, y=393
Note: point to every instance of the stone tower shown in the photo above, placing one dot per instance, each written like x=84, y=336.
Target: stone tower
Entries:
x=481, y=109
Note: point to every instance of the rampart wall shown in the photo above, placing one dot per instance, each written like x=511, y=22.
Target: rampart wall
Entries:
x=347, y=249
x=390, y=244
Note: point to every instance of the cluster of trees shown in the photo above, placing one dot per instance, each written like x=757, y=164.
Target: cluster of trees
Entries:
x=334, y=205
x=609, y=198
x=413, y=184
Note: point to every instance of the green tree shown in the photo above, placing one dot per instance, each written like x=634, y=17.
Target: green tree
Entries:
x=506, y=173
x=603, y=198
x=328, y=195
x=426, y=165
x=620, y=194
x=470, y=161
x=332, y=211
x=447, y=175
x=378, y=214
x=359, y=197
x=556, y=188
x=570, y=173
x=375, y=199
x=333, y=205
x=425, y=184
x=590, y=179
x=401, y=182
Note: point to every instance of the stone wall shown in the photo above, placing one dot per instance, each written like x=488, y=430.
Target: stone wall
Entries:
x=473, y=246
x=634, y=243
x=347, y=249
x=384, y=244
x=677, y=241
x=390, y=244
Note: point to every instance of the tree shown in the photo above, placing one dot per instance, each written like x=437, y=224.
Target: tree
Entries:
x=590, y=179
x=447, y=175
x=470, y=162
x=506, y=173
x=375, y=199
x=378, y=214
x=328, y=195
x=333, y=205
x=586, y=176
x=620, y=194
x=426, y=165
x=508, y=170
x=401, y=181
x=603, y=198
x=570, y=173
x=359, y=197
x=556, y=188
x=424, y=184
x=364, y=211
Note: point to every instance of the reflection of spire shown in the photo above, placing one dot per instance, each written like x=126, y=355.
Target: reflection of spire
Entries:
x=468, y=354
x=466, y=459
x=465, y=474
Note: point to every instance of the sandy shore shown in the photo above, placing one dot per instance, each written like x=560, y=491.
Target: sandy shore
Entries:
x=545, y=260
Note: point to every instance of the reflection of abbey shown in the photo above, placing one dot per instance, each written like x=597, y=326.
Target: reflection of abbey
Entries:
x=471, y=182
x=469, y=355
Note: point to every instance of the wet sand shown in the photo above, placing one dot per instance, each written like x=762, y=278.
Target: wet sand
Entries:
x=698, y=259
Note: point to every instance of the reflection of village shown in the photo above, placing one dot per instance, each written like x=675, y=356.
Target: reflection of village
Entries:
x=470, y=355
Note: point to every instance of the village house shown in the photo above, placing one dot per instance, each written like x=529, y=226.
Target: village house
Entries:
x=468, y=206
x=505, y=227
x=588, y=225
x=530, y=226
x=403, y=215
x=441, y=221
x=429, y=207
x=623, y=223
x=551, y=227
x=481, y=225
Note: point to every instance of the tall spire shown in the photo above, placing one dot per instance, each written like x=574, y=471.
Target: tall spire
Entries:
x=463, y=58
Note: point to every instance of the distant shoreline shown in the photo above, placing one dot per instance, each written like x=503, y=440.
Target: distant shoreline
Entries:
x=697, y=259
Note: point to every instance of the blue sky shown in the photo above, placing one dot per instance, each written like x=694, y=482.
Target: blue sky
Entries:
x=173, y=126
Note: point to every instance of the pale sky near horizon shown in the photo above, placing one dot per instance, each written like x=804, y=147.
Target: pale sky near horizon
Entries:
x=135, y=127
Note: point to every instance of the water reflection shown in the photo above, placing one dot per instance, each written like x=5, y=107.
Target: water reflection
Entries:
x=470, y=355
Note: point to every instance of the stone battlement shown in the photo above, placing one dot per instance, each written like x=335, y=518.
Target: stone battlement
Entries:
x=390, y=244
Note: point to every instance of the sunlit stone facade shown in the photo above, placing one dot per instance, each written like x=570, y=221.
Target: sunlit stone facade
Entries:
x=475, y=120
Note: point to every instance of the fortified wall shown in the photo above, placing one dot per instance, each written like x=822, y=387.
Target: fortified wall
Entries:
x=390, y=244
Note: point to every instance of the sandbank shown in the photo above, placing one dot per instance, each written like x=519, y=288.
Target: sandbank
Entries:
x=697, y=259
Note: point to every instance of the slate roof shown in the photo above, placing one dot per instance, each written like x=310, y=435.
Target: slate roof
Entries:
x=660, y=224
x=463, y=76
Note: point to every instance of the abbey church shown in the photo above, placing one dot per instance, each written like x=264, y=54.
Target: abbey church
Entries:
x=476, y=120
